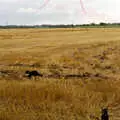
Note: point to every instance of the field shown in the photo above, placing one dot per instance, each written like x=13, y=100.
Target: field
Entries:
x=80, y=68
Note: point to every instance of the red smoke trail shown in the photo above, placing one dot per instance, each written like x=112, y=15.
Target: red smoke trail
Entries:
x=44, y=4
x=82, y=7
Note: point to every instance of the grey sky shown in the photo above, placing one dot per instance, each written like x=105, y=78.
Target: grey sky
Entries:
x=58, y=11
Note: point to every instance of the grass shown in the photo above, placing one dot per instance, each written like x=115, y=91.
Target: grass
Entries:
x=90, y=59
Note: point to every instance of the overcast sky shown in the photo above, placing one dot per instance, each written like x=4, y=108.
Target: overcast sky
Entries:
x=58, y=11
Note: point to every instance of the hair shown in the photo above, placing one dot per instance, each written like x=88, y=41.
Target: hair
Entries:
x=105, y=115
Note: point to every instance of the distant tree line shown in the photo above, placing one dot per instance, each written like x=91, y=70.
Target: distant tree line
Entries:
x=102, y=24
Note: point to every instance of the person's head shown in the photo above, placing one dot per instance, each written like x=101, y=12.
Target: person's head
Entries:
x=105, y=111
x=27, y=72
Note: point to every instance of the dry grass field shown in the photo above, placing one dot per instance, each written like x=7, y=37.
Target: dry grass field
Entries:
x=81, y=74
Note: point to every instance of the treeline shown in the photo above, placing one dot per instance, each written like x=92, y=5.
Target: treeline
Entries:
x=62, y=25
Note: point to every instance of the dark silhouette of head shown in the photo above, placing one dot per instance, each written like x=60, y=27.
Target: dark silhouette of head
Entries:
x=105, y=115
x=27, y=72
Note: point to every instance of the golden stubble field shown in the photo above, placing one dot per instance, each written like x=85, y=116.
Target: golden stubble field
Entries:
x=80, y=67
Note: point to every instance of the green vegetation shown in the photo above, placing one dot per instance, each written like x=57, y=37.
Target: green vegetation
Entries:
x=91, y=25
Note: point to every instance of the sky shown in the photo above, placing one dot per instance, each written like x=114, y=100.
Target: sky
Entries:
x=32, y=12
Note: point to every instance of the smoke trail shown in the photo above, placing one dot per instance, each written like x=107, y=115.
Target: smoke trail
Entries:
x=82, y=7
x=44, y=4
